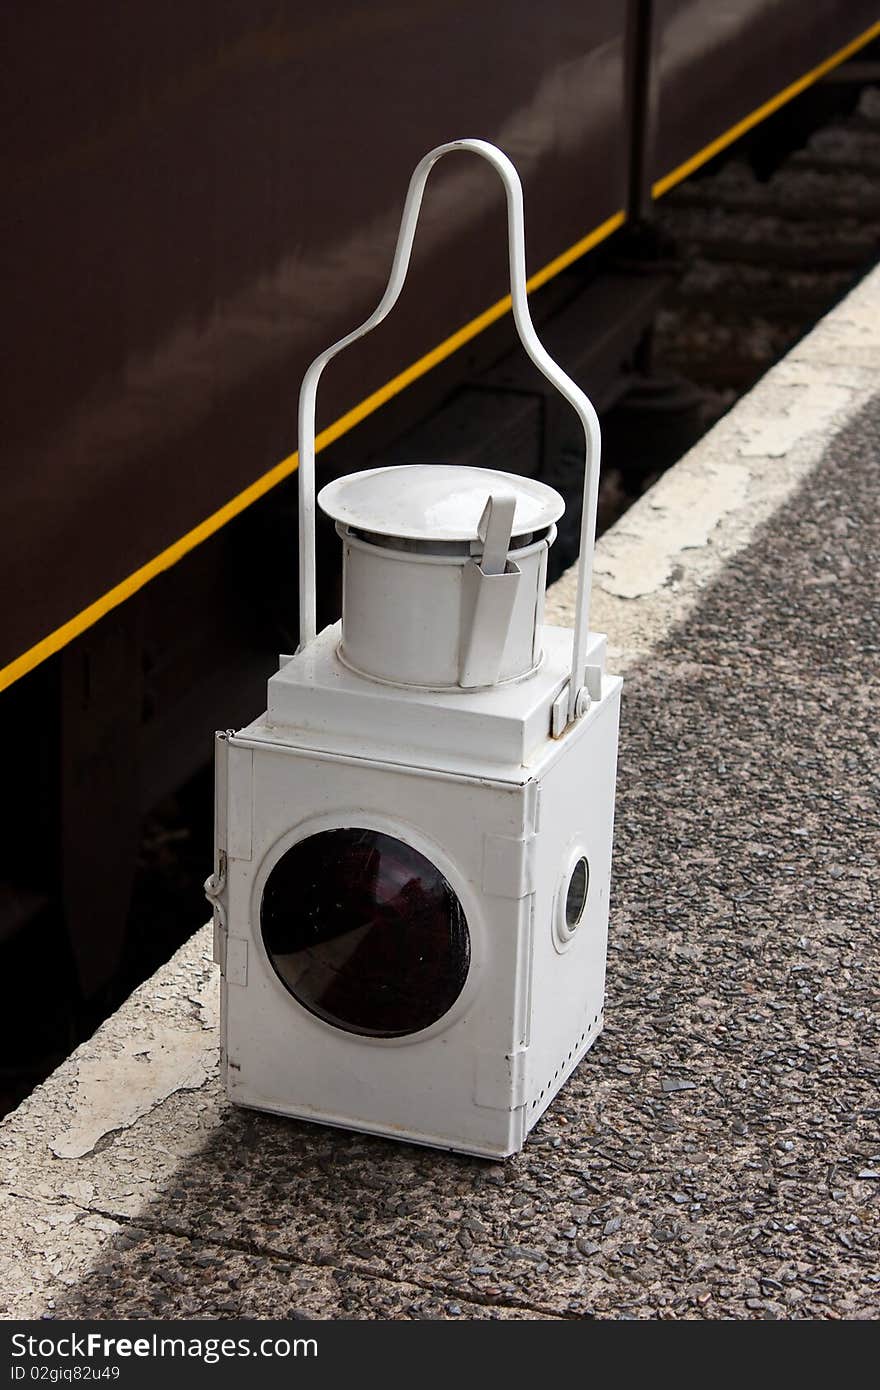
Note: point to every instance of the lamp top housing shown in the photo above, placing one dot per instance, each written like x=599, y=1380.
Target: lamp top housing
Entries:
x=435, y=502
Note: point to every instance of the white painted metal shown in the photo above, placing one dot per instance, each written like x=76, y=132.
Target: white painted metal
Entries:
x=435, y=501
x=441, y=713
x=474, y=782
x=490, y=588
x=533, y=346
x=496, y=529
x=315, y=699
x=414, y=617
x=433, y=593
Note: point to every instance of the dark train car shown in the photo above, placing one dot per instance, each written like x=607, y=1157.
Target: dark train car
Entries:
x=200, y=197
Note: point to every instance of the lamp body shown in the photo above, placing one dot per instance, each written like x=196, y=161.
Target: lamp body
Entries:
x=468, y=1047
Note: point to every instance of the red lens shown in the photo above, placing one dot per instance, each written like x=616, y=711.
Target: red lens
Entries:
x=365, y=932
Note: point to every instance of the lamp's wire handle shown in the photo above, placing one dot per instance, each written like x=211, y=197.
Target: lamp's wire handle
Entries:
x=533, y=346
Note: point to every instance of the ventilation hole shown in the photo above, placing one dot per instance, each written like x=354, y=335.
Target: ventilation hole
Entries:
x=565, y=1065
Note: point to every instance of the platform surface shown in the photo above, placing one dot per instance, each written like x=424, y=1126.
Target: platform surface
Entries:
x=717, y=1154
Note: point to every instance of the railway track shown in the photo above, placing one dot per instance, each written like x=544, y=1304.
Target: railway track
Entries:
x=766, y=258
x=762, y=254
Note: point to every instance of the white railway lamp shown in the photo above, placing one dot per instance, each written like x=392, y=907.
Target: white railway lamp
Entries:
x=413, y=843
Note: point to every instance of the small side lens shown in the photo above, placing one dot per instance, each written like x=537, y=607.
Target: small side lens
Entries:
x=576, y=897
